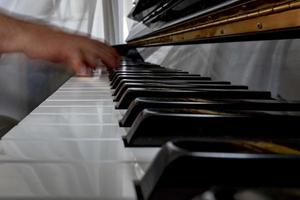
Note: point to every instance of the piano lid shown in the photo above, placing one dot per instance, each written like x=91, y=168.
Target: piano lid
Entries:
x=200, y=21
x=153, y=11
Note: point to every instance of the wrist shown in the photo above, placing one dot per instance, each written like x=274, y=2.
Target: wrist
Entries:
x=13, y=35
x=21, y=38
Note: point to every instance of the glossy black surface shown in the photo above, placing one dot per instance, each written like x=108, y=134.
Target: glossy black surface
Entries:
x=173, y=82
x=119, y=92
x=133, y=93
x=139, y=104
x=154, y=77
x=223, y=168
x=154, y=127
x=153, y=11
x=159, y=113
x=147, y=72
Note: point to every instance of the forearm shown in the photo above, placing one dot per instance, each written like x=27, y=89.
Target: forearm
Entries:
x=44, y=42
x=12, y=34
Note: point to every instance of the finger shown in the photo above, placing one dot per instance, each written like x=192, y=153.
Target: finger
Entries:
x=106, y=53
x=76, y=62
x=115, y=60
x=90, y=59
x=107, y=58
x=108, y=48
x=85, y=72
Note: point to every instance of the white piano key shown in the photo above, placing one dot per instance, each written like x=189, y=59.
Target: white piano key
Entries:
x=73, y=138
x=85, y=84
x=122, y=111
x=78, y=84
x=145, y=154
x=64, y=132
x=83, y=87
x=61, y=141
x=69, y=118
x=84, y=92
x=119, y=114
x=87, y=79
x=30, y=180
x=80, y=97
x=98, y=112
x=74, y=109
x=66, y=103
x=89, y=89
x=101, y=78
x=68, y=150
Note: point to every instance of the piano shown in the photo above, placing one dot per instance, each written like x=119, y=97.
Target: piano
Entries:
x=145, y=131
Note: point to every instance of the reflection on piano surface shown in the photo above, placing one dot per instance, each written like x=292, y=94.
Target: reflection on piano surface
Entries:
x=218, y=129
x=143, y=131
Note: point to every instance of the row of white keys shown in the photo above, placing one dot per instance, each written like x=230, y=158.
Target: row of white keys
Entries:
x=71, y=147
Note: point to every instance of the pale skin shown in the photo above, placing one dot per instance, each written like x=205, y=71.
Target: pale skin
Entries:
x=39, y=41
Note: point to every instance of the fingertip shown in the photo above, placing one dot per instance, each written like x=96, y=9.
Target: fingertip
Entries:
x=111, y=64
x=85, y=72
x=108, y=59
x=90, y=61
x=77, y=66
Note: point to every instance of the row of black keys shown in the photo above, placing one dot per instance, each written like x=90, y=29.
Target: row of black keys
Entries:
x=166, y=104
x=208, y=119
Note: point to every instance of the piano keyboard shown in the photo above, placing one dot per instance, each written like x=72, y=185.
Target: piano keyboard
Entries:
x=77, y=145
x=70, y=147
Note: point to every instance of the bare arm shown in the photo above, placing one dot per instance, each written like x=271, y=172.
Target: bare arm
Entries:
x=44, y=42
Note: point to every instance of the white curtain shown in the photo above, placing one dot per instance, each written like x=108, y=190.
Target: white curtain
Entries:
x=115, y=22
x=104, y=19
x=25, y=83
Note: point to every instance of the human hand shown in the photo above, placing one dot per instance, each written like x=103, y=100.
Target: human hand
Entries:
x=77, y=51
x=48, y=43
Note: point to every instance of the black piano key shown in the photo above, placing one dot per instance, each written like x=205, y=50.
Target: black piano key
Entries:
x=153, y=77
x=137, y=72
x=137, y=64
x=173, y=82
x=140, y=104
x=121, y=91
x=114, y=72
x=154, y=71
x=139, y=67
x=143, y=70
x=187, y=169
x=133, y=93
x=145, y=65
x=150, y=74
x=154, y=127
